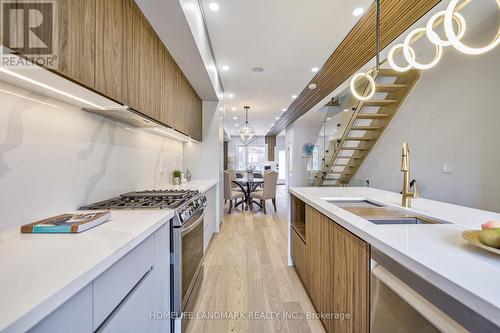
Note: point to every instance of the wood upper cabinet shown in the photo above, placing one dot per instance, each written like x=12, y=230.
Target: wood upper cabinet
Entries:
x=131, y=55
x=76, y=40
x=109, y=46
x=338, y=272
x=109, y=53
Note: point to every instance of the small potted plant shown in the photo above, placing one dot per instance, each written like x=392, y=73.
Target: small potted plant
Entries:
x=176, y=177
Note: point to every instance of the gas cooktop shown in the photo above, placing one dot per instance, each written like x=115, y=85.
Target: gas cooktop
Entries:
x=154, y=199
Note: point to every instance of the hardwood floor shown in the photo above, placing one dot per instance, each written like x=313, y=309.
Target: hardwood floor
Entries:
x=247, y=279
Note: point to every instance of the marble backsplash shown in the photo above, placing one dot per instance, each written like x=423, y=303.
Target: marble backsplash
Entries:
x=55, y=157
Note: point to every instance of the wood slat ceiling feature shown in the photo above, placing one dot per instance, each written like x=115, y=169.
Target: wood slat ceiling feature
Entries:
x=355, y=51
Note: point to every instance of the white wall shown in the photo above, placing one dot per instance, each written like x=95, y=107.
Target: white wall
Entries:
x=205, y=159
x=300, y=132
x=451, y=116
x=55, y=158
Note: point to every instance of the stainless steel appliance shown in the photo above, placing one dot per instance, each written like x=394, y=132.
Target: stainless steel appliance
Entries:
x=187, y=234
x=395, y=307
x=186, y=243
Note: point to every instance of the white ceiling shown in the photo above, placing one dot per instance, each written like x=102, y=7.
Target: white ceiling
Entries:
x=285, y=37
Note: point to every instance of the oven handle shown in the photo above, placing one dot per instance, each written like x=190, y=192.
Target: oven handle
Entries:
x=188, y=227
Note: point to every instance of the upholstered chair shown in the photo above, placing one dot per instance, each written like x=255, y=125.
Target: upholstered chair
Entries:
x=229, y=193
x=269, y=190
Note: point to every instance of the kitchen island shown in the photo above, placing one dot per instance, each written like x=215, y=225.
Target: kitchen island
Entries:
x=437, y=253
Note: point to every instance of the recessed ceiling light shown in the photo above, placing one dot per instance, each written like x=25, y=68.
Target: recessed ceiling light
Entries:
x=225, y=68
x=312, y=86
x=328, y=118
x=272, y=124
x=277, y=118
x=230, y=95
x=235, y=118
x=294, y=96
x=257, y=69
x=284, y=110
x=314, y=69
x=346, y=110
x=234, y=109
x=214, y=6
x=220, y=109
x=358, y=11
x=236, y=125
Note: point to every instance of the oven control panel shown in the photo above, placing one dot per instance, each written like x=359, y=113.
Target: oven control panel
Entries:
x=188, y=211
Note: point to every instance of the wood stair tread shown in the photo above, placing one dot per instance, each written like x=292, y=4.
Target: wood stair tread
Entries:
x=389, y=87
x=353, y=148
x=389, y=72
x=379, y=102
x=352, y=138
x=372, y=115
x=366, y=128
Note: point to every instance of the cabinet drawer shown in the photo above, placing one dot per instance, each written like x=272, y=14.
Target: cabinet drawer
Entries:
x=134, y=313
x=74, y=316
x=110, y=288
x=299, y=255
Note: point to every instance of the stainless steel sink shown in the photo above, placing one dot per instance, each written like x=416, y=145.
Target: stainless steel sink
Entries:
x=353, y=203
x=407, y=220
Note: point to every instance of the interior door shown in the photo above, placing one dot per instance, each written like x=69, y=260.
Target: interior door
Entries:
x=280, y=156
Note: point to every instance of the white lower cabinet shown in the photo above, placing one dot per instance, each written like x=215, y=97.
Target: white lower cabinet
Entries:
x=134, y=312
x=210, y=219
x=132, y=296
x=74, y=316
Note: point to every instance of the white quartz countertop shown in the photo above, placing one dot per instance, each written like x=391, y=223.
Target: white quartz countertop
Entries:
x=39, y=272
x=436, y=252
x=199, y=185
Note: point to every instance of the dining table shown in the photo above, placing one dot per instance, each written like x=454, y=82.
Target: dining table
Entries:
x=248, y=185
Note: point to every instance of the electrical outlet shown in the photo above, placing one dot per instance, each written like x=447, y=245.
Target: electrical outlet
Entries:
x=447, y=168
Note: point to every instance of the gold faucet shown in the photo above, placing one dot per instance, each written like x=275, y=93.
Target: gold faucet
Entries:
x=405, y=167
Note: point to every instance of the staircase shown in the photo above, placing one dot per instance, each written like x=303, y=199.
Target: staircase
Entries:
x=369, y=119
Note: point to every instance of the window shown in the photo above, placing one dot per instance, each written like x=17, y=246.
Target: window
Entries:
x=241, y=158
x=314, y=161
x=251, y=155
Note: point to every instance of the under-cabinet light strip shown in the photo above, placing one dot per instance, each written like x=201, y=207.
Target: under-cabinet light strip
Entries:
x=28, y=98
x=45, y=86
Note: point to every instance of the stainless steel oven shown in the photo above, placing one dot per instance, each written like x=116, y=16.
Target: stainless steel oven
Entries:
x=187, y=260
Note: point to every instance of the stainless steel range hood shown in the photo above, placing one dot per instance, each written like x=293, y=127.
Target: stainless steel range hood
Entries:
x=125, y=115
x=130, y=117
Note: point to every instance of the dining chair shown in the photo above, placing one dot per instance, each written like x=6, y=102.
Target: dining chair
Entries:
x=268, y=192
x=229, y=193
x=234, y=186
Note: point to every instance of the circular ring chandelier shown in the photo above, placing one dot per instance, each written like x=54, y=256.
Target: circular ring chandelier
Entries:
x=371, y=83
x=434, y=37
x=410, y=55
x=455, y=40
x=392, y=63
x=367, y=75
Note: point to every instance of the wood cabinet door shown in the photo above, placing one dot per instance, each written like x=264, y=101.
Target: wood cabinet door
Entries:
x=76, y=40
x=351, y=281
x=131, y=55
x=319, y=257
x=167, y=115
x=338, y=272
x=109, y=54
x=299, y=255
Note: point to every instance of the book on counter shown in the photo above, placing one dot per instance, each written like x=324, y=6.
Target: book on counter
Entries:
x=67, y=223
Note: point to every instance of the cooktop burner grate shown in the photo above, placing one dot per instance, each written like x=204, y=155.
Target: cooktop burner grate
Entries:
x=161, y=199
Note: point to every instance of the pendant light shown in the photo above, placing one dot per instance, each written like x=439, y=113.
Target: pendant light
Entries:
x=455, y=39
x=246, y=132
x=368, y=75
